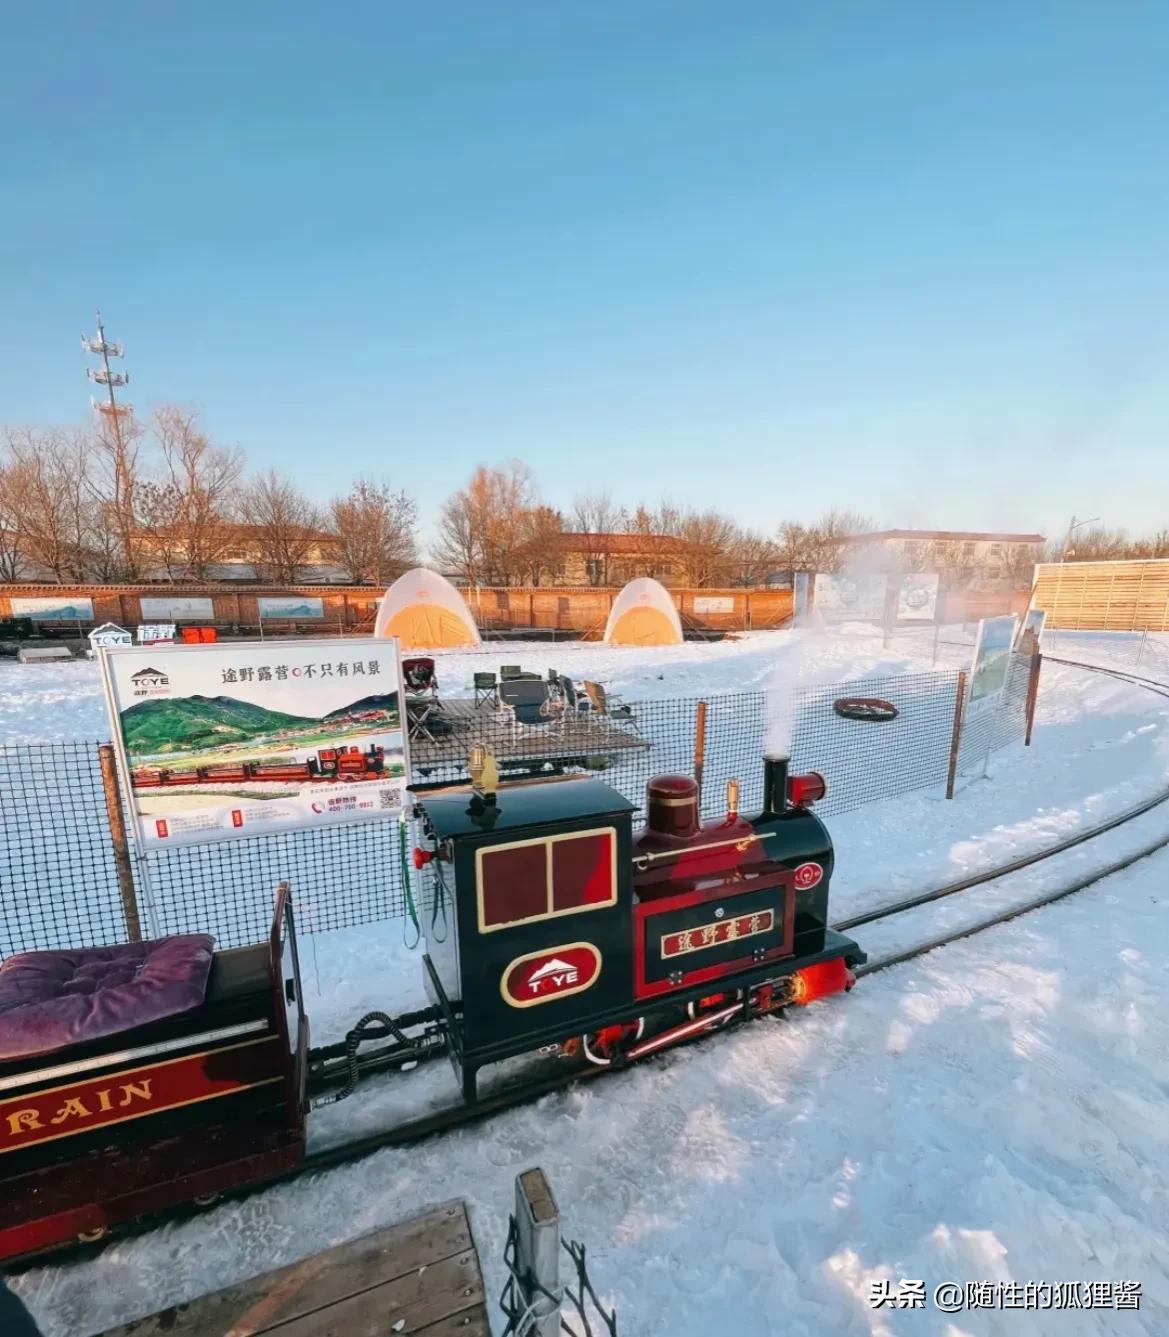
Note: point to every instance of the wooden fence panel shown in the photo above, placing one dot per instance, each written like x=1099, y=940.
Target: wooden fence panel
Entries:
x=1104, y=596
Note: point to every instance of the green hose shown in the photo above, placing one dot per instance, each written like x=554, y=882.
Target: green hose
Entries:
x=411, y=909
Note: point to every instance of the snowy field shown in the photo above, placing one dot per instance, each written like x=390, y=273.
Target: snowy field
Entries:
x=991, y=1112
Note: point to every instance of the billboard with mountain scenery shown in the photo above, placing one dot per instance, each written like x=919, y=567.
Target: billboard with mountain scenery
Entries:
x=53, y=609
x=230, y=740
x=290, y=605
x=992, y=663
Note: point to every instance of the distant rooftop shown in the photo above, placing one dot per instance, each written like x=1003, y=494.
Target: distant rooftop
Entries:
x=945, y=535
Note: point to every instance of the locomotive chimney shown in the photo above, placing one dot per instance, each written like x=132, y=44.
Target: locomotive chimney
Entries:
x=671, y=805
x=775, y=785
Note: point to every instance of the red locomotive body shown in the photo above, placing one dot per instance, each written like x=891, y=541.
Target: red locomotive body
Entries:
x=708, y=902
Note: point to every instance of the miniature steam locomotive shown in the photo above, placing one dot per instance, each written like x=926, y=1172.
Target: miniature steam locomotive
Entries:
x=570, y=932
x=184, y=1073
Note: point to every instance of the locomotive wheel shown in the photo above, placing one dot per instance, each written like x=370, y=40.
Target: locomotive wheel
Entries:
x=714, y=1002
x=611, y=1043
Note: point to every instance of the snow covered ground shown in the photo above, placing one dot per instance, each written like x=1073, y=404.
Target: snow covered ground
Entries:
x=991, y=1112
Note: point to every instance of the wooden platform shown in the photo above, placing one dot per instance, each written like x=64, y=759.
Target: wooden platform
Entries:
x=458, y=723
x=423, y=1274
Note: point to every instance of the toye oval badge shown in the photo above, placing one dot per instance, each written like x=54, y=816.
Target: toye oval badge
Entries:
x=555, y=972
x=807, y=875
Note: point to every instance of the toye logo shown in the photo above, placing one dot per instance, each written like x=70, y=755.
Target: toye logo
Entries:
x=557, y=972
x=808, y=875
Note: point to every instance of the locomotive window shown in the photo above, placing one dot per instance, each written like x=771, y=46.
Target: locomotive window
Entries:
x=513, y=885
x=582, y=871
x=527, y=880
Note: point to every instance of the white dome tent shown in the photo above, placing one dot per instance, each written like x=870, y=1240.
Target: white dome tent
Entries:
x=425, y=612
x=643, y=614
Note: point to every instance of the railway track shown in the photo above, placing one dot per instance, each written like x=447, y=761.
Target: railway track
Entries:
x=458, y=1116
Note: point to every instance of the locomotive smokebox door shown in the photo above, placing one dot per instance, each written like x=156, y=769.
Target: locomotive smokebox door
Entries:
x=540, y=940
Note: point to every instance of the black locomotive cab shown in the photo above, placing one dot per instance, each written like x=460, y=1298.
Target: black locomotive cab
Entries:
x=532, y=938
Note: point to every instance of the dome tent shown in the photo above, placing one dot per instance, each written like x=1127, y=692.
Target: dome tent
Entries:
x=643, y=614
x=425, y=612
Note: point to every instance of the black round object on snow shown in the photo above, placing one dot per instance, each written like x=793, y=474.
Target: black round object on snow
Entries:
x=869, y=708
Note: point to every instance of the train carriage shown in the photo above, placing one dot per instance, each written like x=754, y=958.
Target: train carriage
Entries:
x=134, y=1078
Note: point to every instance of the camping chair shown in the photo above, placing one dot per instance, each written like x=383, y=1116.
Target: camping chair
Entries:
x=604, y=704
x=574, y=701
x=486, y=688
x=509, y=672
x=528, y=700
x=421, y=718
x=418, y=676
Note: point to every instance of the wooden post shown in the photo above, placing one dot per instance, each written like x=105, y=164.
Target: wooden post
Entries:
x=109, y=784
x=956, y=735
x=538, y=1252
x=1032, y=695
x=699, y=747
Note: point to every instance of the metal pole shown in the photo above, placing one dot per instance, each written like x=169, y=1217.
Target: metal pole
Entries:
x=699, y=747
x=538, y=1253
x=1032, y=695
x=956, y=733
x=109, y=784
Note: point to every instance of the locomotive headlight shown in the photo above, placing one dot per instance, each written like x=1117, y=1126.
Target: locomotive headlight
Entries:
x=807, y=789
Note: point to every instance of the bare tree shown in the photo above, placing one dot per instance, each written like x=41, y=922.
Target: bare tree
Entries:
x=539, y=552
x=284, y=525
x=113, y=483
x=709, y=543
x=374, y=531
x=595, y=515
x=656, y=533
x=198, y=484
x=757, y=557
x=47, y=481
x=823, y=545
x=11, y=557
x=481, y=528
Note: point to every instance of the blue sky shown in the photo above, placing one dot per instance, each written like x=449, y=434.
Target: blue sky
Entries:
x=908, y=258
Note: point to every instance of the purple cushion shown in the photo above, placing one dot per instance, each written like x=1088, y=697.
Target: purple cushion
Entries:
x=50, y=1000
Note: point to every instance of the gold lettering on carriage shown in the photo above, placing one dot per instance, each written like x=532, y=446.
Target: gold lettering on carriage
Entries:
x=73, y=1108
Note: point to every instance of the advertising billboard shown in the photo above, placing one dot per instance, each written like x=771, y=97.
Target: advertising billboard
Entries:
x=992, y=662
x=850, y=598
x=54, y=609
x=177, y=609
x=714, y=603
x=917, y=597
x=1031, y=632
x=291, y=605
x=220, y=741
